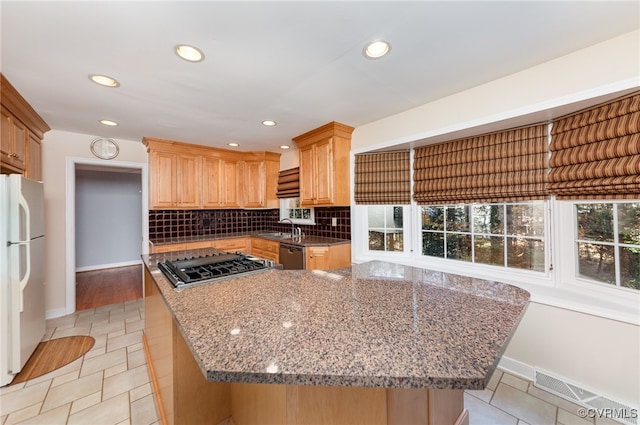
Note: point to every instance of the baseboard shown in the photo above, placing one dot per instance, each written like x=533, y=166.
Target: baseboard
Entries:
x=57, y=312
x=517, y=368
x=107, y=266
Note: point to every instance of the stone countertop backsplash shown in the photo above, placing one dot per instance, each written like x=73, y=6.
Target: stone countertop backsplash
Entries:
x=375, y=324
x=301, y=241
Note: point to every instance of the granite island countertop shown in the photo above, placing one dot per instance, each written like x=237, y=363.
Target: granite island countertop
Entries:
x=376, y=324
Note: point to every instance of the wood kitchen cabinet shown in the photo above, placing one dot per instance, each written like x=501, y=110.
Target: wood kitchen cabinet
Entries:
x=261, y=180
x=232, y=244
x=221, y=183
x=265, y=248
x=197, y=177
x=189, y=181
x=182, y=394
x=324, y=165
x=33, y=170
x=14, y=141
x=229, y=245
x=329, y=257
x=175, y=180
x=21, y=133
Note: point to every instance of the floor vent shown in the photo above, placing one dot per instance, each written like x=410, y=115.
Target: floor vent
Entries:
x=596, y=404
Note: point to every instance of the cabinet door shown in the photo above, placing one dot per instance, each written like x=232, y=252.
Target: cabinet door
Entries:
x=254, y=184
x=323, y=153
x=6, y=135
x=14, y=141
x=163, y=171
x=232, y=188
x=212, y=183
x=317, y=258
x=34, y=158
x=232, y=245
x=189, y=181
x=307, y=176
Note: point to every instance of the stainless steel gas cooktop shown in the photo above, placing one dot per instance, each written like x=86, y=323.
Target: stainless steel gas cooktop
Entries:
x=192, y=271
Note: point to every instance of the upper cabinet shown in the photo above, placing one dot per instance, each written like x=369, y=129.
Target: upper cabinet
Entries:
x=21, y=133
x=324, y=165
x=260, y=178
x=189, y=176
x=220, y=184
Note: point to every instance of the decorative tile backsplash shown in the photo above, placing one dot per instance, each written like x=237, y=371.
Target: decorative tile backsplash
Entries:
x=164, y=224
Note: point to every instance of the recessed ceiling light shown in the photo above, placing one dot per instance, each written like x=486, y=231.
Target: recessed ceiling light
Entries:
x=376, y=49
x=233, y=144
x=189, y=53
x=109, y=123
x=284, y=147
x=104, y=80
x=269, y=123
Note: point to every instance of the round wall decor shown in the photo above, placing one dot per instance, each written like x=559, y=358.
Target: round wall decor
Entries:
x=104, y=148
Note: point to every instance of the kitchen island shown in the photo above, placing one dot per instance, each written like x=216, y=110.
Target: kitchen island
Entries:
x=372, y=343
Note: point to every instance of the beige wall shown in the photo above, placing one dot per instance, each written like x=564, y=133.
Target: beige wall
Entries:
x=57, y=146
x=601, y=354
x=598, y=353
x=586, y=73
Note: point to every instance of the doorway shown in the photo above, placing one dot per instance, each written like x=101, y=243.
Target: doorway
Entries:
x=107, y=229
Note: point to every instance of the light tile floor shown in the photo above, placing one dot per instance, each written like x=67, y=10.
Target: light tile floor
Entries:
x=110, y=384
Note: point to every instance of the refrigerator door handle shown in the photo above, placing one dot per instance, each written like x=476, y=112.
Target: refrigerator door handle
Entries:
x=22, y=202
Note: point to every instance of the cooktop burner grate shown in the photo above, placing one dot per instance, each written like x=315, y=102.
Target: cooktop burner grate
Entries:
x=197, y=270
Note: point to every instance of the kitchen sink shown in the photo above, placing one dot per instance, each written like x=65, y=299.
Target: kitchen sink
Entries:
x=278, y=235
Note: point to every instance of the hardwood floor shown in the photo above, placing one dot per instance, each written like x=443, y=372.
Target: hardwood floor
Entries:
x=108, y=286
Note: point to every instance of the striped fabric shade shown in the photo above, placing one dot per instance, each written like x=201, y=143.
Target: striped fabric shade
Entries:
x=382, y=178
x=289, y=183
x=595, y=153
x=510, y=165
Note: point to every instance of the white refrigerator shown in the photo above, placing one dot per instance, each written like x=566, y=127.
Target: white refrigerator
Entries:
x=22, y=274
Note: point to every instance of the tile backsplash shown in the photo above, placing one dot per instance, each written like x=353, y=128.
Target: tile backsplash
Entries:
x=165, y=224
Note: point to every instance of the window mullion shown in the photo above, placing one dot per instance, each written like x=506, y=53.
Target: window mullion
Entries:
x=616, y=245
x=504, y=235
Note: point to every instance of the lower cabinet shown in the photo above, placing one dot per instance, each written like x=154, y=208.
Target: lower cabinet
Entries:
x=265, y=248
x=178, y=247
x=327, y=257
x=233, y=245
x=230, y=245
x=183, y=395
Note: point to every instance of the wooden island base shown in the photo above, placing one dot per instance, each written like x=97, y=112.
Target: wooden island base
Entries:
x=183, y=396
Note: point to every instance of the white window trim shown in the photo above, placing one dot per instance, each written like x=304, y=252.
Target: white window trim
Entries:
x=284, y=213
x=557, y=287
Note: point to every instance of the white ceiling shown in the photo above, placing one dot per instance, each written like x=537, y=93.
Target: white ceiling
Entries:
x=298, y=63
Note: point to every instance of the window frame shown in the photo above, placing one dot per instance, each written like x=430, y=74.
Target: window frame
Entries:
x=360, y=226
x=474, y=234
x=567, y=237
x=284, y=213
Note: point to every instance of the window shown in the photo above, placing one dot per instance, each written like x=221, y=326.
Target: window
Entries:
x=385, y=227
x=291, y=208
x=506, y=234
x=607, y=243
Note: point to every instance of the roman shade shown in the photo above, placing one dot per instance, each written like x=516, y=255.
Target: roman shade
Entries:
x=289, y=183
x=595, y=153
x=506, y=166
x=382, y=178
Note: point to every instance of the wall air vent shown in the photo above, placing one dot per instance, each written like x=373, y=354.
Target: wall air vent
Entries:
x=596, y=405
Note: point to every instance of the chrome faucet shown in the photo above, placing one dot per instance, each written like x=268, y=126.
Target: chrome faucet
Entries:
x=293, y=230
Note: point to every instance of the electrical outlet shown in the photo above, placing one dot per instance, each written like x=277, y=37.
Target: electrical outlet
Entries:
x=334, y=221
